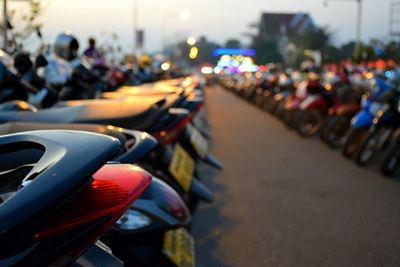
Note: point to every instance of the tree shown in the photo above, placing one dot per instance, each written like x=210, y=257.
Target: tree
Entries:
x=206, y=49
x=233, y=43
x=25, y=22
x=392, y=50
x=267, y=51
x=180, y=52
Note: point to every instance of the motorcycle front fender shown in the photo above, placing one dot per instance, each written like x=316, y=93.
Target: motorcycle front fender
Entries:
x=362, y=119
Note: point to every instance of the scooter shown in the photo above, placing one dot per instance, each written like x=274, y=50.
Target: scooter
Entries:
x=143, y=113
x=296, y=79
x=283, y=88
x=390, y=163
x=47, y=221
x=292, y=102
x=154, y=230
x=385, y=123
x=137, y=147
x=363, y=120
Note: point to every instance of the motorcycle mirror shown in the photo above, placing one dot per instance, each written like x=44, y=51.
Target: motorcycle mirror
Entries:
x=39, y=32
x=41, y=61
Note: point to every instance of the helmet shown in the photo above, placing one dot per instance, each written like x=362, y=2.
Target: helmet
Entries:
x=66, y=46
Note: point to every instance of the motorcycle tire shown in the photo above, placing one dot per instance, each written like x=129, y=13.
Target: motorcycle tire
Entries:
x=336, y=130
x=368, y=147
x=268, y=104
x=279, y=109
x=353, y=140
x=309, y=122
x=258, y=99
x=372, y=145
x=287, y=117
x=390, y=164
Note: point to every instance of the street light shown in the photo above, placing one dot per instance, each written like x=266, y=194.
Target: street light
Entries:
x=5, y=24
x=184, y=15
x=359, y=24
x=191, y=41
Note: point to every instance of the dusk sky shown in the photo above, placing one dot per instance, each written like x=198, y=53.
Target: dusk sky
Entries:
x=218, y=19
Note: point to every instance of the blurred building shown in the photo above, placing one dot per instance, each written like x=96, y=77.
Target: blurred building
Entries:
x=275, y=26
x=282, y=37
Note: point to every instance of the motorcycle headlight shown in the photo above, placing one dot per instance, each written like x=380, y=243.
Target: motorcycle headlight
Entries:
x=133, y=220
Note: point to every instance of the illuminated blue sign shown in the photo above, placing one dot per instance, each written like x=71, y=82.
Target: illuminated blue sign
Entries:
x=234, y=51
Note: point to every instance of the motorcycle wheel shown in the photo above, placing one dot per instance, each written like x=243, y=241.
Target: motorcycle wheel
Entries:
x=391, y=160
x=295, y=119
x=374, y=141
x=325, y=128
x=258, y=100
x=310, y=122
x=280, y=109
x=287, y=116
x=336, y=129
x=353, y=140
x=269, y=104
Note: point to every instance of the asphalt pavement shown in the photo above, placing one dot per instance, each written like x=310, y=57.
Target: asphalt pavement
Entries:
x=283, y=200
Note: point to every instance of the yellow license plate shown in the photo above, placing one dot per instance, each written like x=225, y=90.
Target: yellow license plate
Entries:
x=199, y=143
x=178, y=246
x=182, y=167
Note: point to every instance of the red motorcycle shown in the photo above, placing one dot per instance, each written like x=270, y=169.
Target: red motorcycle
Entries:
x=292, y=108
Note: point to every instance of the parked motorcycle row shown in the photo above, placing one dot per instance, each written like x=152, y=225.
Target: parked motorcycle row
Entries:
x=354, y=108
x=111, y=181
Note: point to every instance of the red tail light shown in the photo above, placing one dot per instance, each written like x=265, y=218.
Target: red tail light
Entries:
x=169, y=200
x=112, y=190
x=169, y=136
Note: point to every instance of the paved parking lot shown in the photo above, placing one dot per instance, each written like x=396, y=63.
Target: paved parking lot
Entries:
x=287, y=201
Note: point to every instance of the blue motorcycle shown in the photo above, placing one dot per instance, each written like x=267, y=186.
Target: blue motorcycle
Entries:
x=364, y=119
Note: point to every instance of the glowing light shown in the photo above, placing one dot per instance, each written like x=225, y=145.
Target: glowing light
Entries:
x=194, y=52
x=259, y=75
x=232, y=51
x=165, y=66
x=184, y=15
x=191, y=41
x=207, y=70
x=369, y=75
x=187, y=82
x=388, y=74
x=217, y=70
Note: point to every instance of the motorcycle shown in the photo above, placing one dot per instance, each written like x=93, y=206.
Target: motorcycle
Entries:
x=145, y=234
x=338, y=121
x=363, y=120
x=390, y=163
x=386, y=121
x=48, y=221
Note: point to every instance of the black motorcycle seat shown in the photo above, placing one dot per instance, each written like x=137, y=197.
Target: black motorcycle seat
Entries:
x=18, y=127
x=128, y=113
